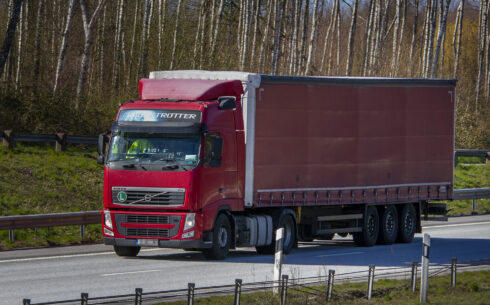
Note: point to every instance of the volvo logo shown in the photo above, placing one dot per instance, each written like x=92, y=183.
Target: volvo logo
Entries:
x=148, y=197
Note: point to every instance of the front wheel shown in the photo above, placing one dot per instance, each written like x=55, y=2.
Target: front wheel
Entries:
x=125, y=251
x=221, y=239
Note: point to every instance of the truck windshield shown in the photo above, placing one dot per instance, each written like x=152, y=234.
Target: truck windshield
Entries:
x=169, y=151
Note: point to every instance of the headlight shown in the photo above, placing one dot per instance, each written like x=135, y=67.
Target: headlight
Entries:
x=190, y=221
x=189, y=234
x=107, y=219
x=108, y=232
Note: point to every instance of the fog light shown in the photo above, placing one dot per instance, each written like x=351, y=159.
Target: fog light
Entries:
x=190, y=221
x=189, y=234
x=108, y=232
x=107, y=219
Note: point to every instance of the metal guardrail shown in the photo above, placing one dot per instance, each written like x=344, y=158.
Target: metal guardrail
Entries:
x=9, y=138
x=478, y=153
x=465, y=194
x=49, y=220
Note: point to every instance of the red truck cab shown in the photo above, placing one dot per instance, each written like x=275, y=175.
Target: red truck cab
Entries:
x=175, y=159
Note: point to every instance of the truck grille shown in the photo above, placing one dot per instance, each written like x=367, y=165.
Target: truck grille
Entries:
x=141, y=232
x=148, y=219
x=148, y=196
x=152, y=219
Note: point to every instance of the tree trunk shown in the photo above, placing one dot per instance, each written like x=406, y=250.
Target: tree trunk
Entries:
x=22, y=19
x=352, y=33
x=161, y=27
x=116, y=70
x=10, y=35
x=458, y=29
x=143, y=61
x=394, y=54
x=482, y=47
x=306, y=14
x=64, y=44
x=37, y=43
x=277, y=38
x=414, y=36
x=131, y=51
x=216, y=30
x=257, y=4
x=442, y=31
x=368, y=37
x=312, y=37
x=176, y=32
x=264, y=46
x=88, y=30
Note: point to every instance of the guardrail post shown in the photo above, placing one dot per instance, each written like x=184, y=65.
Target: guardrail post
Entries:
x=84, y=298
x=278, y=259
x=8, y=139
x=454, y=262
x=331, y=276
x=414, y=276
x=26, y=302
x=11, y=235
x=284, y=289
x=473, y=207
x=60, y=142
x=190, y=293
x=82, y=231
x=138, y=296
x=370, y=282
x=238, y=291
x=424, y=285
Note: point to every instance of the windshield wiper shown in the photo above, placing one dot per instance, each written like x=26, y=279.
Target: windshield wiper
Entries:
x=131, y=165
x=174, y=166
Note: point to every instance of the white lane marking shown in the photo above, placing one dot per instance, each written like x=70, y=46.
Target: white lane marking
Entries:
x=130, y=272
x=339, y=254
x=457, y=225
x=29, y=259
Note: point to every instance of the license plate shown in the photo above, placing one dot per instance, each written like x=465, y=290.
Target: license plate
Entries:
x=147, y=242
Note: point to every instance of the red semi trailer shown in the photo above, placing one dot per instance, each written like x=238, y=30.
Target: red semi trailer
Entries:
x=216, y=160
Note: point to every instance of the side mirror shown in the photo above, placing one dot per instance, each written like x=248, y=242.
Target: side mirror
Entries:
x=100, y=159
x=227, y=102
x=101, y=143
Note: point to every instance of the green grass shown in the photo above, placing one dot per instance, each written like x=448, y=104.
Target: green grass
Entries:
x=34, y=179
x=472, y=288
x=38, y=180
x=470, y=176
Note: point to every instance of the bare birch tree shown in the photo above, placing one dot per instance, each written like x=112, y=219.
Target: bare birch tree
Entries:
x=264, y=46
x=458, y=29
x=22, y=20
x=216, y=30
x=145, y=34
x=88, y=30
x=176, y=32
x=277, y=37
x=162, y=5
x=118, y=41
x=414, y=36
x=133, y=38
x=394, y=58
x=64, y=44
x=368, y=36
x=37, y=41
x=444, y=8
x=352, y=33
x=10, y=35
x=482, y=46
x=312, y=37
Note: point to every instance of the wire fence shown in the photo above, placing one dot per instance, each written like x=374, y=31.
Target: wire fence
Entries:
x=317, y=286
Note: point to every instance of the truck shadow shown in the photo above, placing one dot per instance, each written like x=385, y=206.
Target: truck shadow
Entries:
x=344, y=252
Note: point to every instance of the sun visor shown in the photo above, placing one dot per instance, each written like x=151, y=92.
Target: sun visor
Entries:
x=159, y=127
x=188, y=89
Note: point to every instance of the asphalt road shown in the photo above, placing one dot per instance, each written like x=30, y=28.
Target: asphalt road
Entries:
x=63, y=273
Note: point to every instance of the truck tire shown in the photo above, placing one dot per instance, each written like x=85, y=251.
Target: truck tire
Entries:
x=407, y=223
x=370, y=229
x=221, y=239
x=388, y=226
x=125, y=251
x=287, y=222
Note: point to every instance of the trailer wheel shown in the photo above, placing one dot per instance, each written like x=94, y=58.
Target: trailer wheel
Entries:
x=388, y=226
x=370, y=229
x=407, y=224
x=287, y=222
x=221, y=239
x=125, y=251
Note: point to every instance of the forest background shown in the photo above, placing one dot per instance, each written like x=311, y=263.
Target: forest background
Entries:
x=65, y=65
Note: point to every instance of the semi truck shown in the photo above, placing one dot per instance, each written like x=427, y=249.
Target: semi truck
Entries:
x=214, y=160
